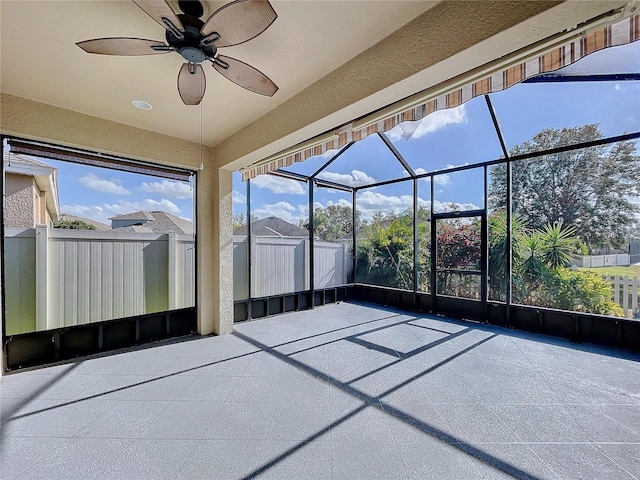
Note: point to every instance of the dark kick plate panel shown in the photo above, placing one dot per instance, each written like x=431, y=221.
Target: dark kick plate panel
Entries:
x=42, y=348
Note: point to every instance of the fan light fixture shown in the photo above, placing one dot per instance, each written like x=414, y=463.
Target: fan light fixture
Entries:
x=198, y=41
x=141, y=104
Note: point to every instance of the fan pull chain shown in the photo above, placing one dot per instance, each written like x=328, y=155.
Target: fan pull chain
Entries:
x=201, y=102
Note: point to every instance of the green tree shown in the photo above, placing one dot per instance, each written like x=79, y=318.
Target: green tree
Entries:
x=239, y=219
x=385, y=251
x=73, y=225
x=587, y=189
x=333, y=222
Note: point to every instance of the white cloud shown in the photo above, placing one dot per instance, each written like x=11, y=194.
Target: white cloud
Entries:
x=328, y=154
x=342, y=202
x=93, y=212
x=279, y=184
x=370, y=202
x=439, y=179
x=283, y=210
x=94, y=182
x=353, y=179
x=169, y=188
x=147, y=204
x=239, y=197
x=304, y=209
x=452, y=206
x=103, y=212
x=417, y=171
x=443, y=179
x=451, y=165
x=429, y=124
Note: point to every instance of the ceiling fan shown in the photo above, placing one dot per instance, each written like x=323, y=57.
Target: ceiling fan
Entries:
x=198, y=41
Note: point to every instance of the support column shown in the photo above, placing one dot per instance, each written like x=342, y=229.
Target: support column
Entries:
x=214, y=240
x=172, y=284
x=42, y=288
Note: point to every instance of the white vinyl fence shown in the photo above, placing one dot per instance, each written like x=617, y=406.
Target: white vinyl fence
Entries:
x=56, y=278
x=281, y=265
x=615, y=259
x=625, y=293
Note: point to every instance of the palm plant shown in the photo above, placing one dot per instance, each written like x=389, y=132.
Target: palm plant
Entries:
x=498, y=251
x=559, y=245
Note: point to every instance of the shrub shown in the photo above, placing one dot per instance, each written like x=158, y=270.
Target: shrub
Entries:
x=582, y=291
x=73, y=225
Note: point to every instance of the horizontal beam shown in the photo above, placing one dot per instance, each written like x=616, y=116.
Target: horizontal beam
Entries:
x=329, y=184
x=551, y=78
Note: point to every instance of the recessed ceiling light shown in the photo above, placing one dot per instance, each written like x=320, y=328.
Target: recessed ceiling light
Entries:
x=142, y=105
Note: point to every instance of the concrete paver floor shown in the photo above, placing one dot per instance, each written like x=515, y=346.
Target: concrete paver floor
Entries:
x=344, y=391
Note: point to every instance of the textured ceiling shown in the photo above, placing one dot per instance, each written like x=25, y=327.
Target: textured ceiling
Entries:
x=40, y=61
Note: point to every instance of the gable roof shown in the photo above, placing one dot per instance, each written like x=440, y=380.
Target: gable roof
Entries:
x=272, y=227
x=154, y=222
x=45, y=176
x=12, y=158
x=141, y=215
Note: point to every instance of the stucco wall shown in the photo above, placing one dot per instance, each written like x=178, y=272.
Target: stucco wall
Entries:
x=20, y=207
x=39, y=207
x=29, y=119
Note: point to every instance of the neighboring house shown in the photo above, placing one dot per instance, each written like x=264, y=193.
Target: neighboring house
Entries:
x=151, y=222
x=272, y=227
x=31, y=192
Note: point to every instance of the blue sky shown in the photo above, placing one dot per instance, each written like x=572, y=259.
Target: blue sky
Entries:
x=100, y=193
x=445, y=138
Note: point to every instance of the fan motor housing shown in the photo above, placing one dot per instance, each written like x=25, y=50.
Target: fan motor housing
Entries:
x=190, y=47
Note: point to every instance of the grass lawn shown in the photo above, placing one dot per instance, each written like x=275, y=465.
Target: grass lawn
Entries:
x=631, y=271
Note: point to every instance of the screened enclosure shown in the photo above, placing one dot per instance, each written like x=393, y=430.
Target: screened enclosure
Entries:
x=98, y=253
x=519, y=207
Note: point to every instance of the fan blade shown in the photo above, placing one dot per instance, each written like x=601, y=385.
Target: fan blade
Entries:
x=239, y=21
x=122, y=46
x=245, y=75
x=159, y=9
x=191, y=83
